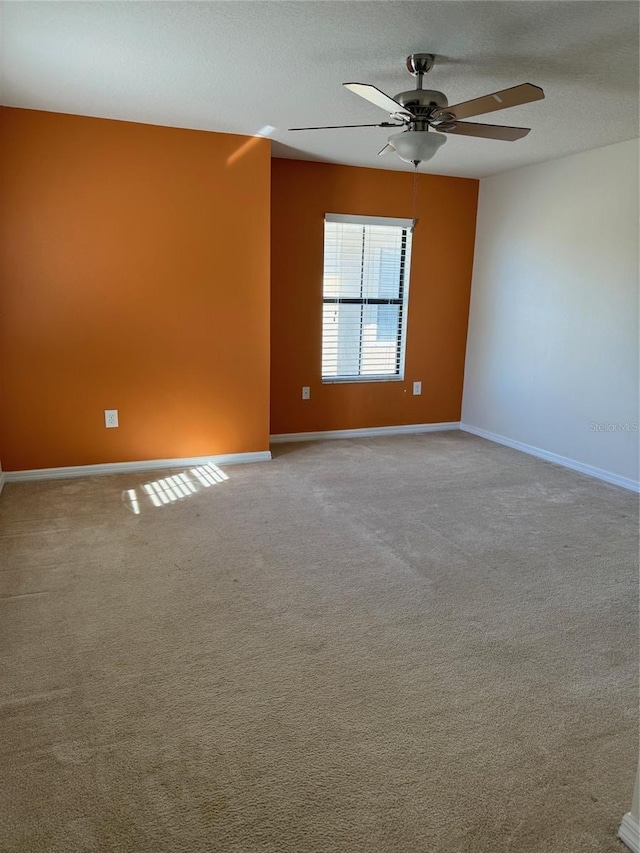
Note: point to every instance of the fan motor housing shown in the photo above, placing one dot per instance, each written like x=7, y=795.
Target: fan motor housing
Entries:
x=422, y=100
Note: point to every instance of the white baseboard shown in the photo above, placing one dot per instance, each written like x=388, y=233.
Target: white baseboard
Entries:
x=629, y=832
x=589, y=470
x=369, y=432
x=128, y=467
x=3, y=480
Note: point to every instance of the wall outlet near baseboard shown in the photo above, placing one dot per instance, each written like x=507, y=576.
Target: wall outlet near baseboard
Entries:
x=417, y=388
x=306, y=392
x=110, y=418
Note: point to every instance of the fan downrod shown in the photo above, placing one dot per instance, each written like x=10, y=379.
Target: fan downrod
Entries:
x=421, y=102
x=419, y=64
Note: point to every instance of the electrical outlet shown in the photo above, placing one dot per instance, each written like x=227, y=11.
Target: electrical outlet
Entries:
x=110, y=418
x=417, y=388
x=306, y=392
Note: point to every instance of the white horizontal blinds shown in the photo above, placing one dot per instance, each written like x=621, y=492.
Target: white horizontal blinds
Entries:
x=364, y=297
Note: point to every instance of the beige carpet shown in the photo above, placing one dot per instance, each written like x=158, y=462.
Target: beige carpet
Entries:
x=402, y=645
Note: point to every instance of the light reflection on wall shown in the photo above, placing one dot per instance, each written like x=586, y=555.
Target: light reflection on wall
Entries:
x=264, y=133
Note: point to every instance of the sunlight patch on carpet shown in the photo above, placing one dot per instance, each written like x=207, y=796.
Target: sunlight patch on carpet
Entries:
x=168, y=490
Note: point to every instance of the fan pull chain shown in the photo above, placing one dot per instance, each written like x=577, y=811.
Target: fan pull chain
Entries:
x=415, y=199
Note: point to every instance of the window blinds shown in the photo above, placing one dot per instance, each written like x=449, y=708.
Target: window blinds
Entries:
x=365, y=290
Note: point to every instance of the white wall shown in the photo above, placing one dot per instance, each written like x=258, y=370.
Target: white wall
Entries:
x=553, y=328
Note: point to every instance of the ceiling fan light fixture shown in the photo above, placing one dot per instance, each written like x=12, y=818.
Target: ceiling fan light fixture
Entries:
x=421, y=110
x=416, y=146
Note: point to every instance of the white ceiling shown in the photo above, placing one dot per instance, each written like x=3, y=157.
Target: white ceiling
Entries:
x=251, y=66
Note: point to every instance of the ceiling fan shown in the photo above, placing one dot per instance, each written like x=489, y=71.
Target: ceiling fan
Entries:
x=420, y=110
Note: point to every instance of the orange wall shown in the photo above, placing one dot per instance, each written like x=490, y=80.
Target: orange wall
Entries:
x=134, y=265
x=441, y=264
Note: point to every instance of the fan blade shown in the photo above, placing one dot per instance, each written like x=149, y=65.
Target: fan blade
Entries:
x=523, y=94
x=377, y=97
x=486, y=131
x=386, y=148
x=339, y=126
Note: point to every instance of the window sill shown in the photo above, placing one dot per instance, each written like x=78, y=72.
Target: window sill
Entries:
x=359, y=380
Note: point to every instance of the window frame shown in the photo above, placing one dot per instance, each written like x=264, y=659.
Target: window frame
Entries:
x=402, y=301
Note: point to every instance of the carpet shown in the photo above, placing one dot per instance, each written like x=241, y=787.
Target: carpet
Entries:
x=401, y=644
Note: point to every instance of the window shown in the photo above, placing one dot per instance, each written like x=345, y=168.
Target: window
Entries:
x=365, y=290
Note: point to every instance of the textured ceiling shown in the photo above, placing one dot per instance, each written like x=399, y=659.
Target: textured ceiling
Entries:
x=252, y=66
